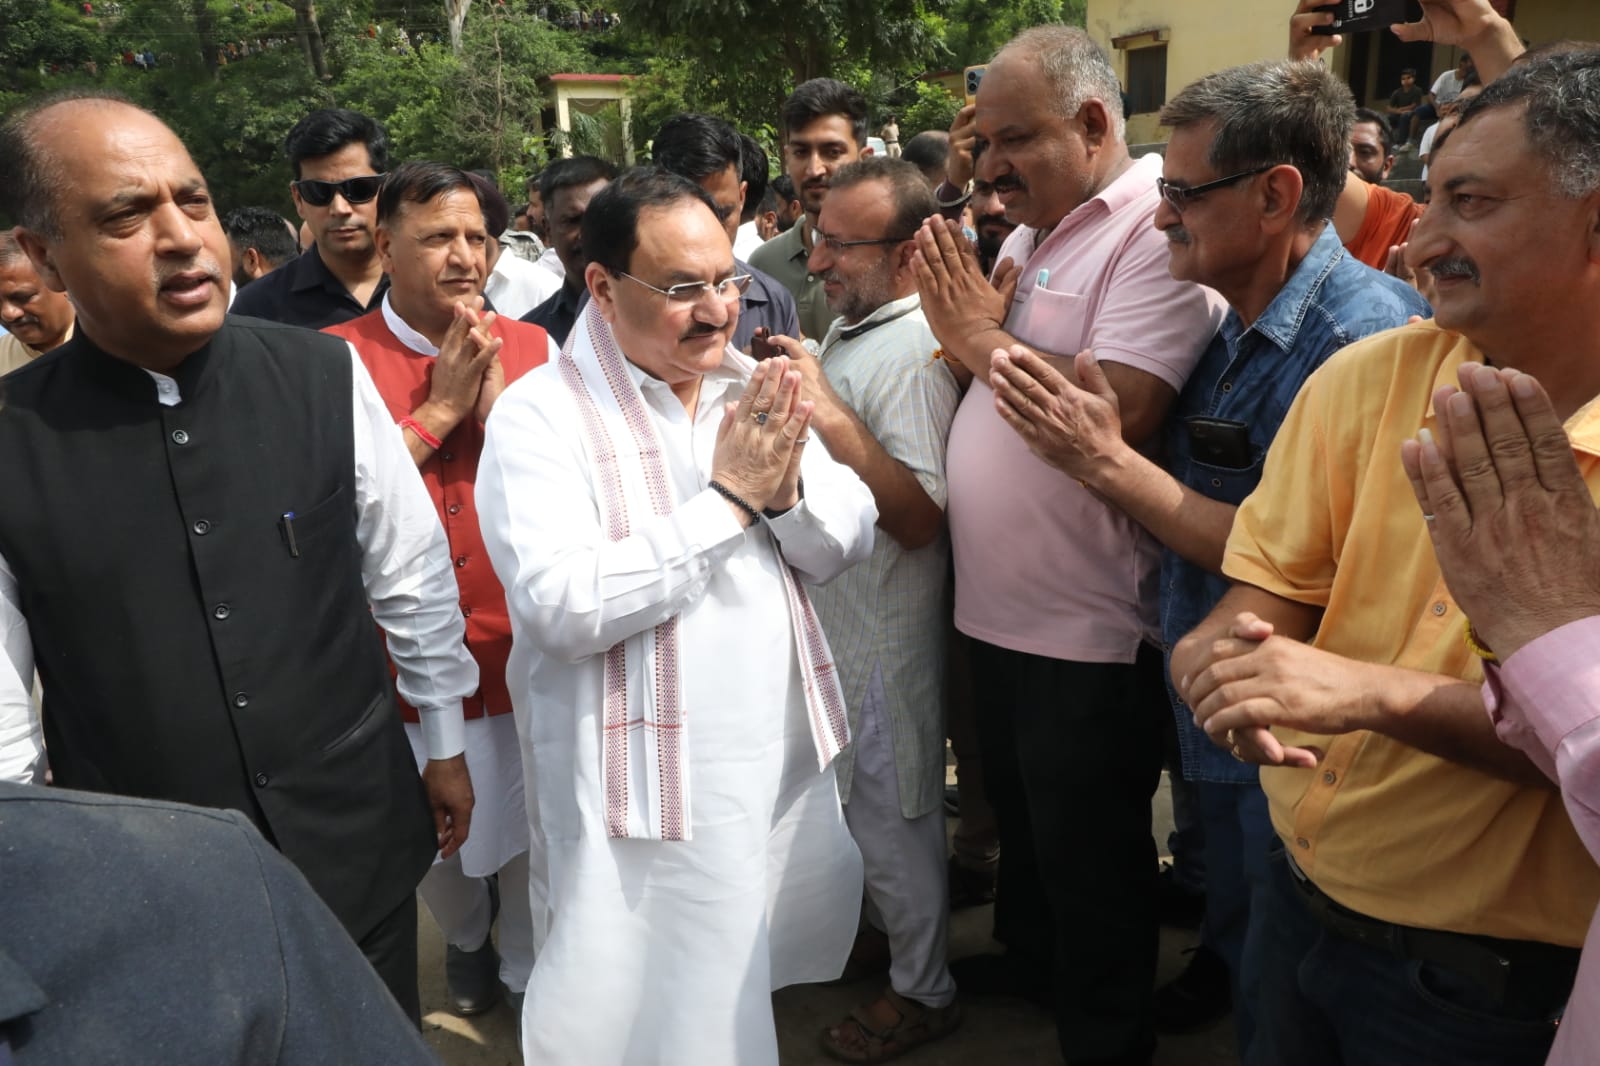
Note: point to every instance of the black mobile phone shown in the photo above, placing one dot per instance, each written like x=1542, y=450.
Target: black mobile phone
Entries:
x=1220, y=442
x=760, y=347
x=1360, y=16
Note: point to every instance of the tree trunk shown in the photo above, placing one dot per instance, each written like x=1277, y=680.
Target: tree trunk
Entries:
x=205, y=28
x=310, y=34
x=456, y=13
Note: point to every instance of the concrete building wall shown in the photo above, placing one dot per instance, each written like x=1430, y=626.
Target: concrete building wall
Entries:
x=1201, y=36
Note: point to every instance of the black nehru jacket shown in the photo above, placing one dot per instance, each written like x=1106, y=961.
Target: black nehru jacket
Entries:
x=188, y=650
x=304, y=292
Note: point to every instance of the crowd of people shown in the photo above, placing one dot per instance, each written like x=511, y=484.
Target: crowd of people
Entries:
x=612, y=572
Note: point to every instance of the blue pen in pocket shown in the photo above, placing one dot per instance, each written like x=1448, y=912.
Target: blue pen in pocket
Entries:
x=1042, y=279
x=288, y=534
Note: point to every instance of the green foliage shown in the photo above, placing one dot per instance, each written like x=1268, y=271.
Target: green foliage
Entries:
x=932, y=108
x=481, y=106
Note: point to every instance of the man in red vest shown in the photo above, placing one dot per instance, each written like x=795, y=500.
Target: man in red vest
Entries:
x=440, y=363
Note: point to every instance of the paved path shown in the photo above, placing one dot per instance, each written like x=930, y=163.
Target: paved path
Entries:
x=995, y=1030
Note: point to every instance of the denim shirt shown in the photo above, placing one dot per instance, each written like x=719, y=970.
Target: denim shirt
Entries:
x=1252, y=375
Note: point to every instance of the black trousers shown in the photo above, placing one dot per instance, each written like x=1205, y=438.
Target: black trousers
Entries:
x=391, y=948
x=1072, y=756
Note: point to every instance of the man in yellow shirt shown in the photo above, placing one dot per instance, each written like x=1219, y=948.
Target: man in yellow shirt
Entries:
x=36, y=318
x=1433, y=891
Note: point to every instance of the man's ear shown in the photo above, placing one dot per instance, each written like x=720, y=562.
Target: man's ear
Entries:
x=1594, y=228
x=299, y=205
x=40, y=255
x=602, y=290
x=1281, y=190
x=252, y=263
x=384, y=242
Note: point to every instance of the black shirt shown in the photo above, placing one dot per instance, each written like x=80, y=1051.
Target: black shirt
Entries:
x=559, y=313
x=304, y=292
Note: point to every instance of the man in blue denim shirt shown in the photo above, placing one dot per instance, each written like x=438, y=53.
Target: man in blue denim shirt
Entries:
x=1256, y=161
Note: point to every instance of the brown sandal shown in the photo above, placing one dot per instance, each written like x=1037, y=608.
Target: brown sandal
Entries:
x=870, y=1042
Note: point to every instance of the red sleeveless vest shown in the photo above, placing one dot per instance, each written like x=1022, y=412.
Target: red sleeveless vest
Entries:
x=402, y=377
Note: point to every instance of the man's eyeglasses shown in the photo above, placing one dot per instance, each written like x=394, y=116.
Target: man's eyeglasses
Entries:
x=354, y=190
x=690, y=292
x=835, y=245
x=1181, y=196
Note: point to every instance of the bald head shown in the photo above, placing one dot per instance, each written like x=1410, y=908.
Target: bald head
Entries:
x=113, y=211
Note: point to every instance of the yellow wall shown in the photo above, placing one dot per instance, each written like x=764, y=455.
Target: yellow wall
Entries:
x=1542, y=21
x=1208, y=35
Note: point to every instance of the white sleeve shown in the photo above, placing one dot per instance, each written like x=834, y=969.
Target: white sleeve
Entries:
x=831, y=529
x=21, y=736
x=405, y=565
x=573, y=590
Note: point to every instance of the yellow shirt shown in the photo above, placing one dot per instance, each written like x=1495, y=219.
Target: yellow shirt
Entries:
x=1380, y=826
x=14, y=354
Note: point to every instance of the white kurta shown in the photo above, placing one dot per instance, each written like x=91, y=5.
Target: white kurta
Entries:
x=651, y=951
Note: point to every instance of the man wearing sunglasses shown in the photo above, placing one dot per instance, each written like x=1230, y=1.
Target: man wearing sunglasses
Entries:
x=642, y=501
x=338, y=158
x=1246, y=193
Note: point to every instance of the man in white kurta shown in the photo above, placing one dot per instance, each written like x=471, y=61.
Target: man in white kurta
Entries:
x=654, y=545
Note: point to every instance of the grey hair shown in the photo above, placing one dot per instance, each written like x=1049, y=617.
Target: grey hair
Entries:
x=1075, y=67
x=30, y=177
x=908, y=189
x=1561, y=93
x=1270, y=113
x=10, y=249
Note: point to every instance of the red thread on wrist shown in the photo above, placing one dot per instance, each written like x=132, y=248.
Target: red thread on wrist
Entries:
x=422, y=432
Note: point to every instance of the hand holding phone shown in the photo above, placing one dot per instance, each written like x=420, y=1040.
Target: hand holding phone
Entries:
x=760, y=347
x=1360, y=16
x=972, y=76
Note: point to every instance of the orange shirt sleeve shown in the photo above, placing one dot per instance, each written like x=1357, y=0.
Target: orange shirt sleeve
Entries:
x=1387, y=223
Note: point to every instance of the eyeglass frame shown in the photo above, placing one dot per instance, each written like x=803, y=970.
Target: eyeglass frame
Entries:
x=835, y=245
x=1179, y=197
x=675, y=294
x=338, y=188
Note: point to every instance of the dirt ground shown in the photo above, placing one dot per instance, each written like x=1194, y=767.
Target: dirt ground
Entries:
x=994, y=1030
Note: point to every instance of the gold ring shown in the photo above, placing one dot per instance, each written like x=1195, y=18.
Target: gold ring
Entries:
x=1233, y=746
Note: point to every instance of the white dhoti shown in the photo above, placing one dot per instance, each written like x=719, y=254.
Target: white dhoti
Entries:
x=455, y=890
x=653, y=949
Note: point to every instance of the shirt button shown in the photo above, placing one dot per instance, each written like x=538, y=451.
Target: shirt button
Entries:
x=455, y=508
x=221, y=611
x=448, y=456
x=180, y=436
x=1227, y=386
x=261, y=780
x=466, y=612
x=1302, y=842
x=1439, y=608
x=240, y=699
x=1329, y=777
x=461, y=560
x=201, y=527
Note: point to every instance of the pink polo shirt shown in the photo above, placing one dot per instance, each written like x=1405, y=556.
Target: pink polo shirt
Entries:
x=1043, y=565
x=1545, y=701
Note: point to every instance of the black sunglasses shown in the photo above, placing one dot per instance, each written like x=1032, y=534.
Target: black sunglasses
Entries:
x=1181, y=196
x=354, y=190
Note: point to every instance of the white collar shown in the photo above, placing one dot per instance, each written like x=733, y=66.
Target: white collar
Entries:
x=404, y=333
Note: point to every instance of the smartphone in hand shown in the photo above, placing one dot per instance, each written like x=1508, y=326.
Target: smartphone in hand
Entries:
x=761, y=347
x=1361, y=16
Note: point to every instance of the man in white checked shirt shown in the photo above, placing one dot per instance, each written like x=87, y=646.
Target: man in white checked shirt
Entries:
x=884, y=404
x=642, y=501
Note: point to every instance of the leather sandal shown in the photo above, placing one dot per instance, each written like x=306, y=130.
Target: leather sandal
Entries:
x=871, y=1041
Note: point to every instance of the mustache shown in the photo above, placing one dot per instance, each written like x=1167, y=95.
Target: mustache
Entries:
x=1008, y=183
x=815, y=183
x=1177, y=235
x=1454, y=266
x=206, y=264
x=702, y=329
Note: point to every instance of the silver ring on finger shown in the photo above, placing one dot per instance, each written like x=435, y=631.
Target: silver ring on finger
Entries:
x=760, y=417
x=1427, y=518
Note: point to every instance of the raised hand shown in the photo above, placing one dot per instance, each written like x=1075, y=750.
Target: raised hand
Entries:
x=759, y=434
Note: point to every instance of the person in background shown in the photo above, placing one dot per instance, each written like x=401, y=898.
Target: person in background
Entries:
x=36, y=317
x=567, y=187
x=753, y=170
x=928, y=152
x=261, y=241
x=515, y=286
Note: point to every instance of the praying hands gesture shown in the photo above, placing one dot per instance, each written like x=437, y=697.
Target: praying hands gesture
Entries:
x=760, y=441
x=963, y=309
x=1512, y=522
x=467, y=378
x=1073, y=428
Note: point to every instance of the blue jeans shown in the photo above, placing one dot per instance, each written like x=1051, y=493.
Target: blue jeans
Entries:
x=1238, y=834
x=1328, y=1001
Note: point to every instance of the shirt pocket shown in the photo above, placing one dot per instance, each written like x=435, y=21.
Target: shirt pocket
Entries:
x=1054, y=322
x=1228, y=484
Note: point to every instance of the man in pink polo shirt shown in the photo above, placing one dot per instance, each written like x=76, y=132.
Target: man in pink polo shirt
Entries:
x=1056, y=588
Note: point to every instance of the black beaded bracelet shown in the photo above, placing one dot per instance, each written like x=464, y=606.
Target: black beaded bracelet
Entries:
x=738, y=501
